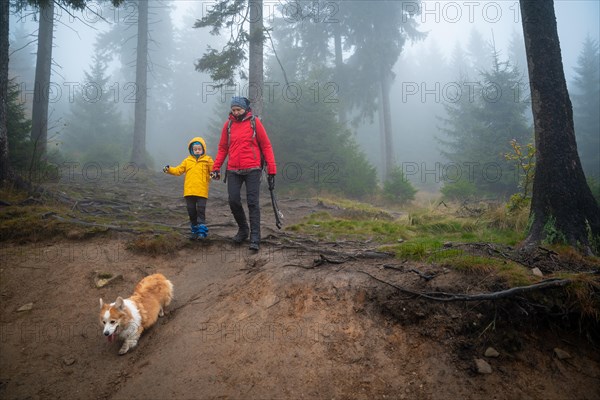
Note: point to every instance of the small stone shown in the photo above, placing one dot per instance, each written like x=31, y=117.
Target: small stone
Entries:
x=25, y=307
x=491, y=352
x=561, y=354
x=482, y=366
x=536, y=271
x=68, y=361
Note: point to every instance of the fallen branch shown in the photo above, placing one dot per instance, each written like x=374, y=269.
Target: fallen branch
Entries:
x=448, y=297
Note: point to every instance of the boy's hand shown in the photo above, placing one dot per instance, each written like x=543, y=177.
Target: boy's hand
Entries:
x=215, y=175
x=166, y=169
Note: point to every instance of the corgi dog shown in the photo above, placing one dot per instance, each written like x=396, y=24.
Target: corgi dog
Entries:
x=127, y=318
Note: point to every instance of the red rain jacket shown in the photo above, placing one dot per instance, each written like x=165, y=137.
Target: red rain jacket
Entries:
x=242, y=148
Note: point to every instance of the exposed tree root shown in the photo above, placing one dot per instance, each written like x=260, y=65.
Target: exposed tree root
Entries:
x=448, y=297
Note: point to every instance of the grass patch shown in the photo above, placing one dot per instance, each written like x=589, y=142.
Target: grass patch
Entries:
x=584, y=294
x=356, y=210
x=421, y=234
x=426, y=228
x=324, y=226
x=34, y=223
x=154, y=245
x=45, y=219
x=511, y=272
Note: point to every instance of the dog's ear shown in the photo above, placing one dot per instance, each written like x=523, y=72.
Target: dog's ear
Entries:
x=119, y=303
x=101, y=303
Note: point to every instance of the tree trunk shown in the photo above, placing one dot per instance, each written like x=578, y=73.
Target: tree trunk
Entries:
x=387, y=124
x=5, y=173
x=562, y=206
x=255, y=57
x=41, y=91
x=339, y=67
x=138, y=154
x=381, y=140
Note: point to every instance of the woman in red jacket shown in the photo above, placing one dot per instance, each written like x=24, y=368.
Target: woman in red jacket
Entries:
x=245, y=143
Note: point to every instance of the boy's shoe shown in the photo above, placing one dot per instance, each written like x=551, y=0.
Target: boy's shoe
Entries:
x=202, y=231
x=254, y=246
x=194, y=232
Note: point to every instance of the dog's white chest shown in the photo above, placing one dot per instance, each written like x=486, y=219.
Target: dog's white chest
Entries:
x=136, y=319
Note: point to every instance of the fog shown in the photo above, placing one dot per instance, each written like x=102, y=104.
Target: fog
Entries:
x=423, y=71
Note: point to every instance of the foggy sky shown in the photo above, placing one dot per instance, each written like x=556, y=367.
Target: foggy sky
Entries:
x=447, y=24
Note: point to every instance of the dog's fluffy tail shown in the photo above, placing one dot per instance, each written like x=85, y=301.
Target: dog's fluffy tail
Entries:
x=157, y=284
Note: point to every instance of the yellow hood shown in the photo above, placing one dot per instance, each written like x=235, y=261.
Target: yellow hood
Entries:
x=196, y=139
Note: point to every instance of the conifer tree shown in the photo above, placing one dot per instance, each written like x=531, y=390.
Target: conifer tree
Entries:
x=94, y=131
x=6, y=171
x=5, y=167
x=480, y=125
x=586, y=103
x=244, y=24
x=19, y=129
x=563, y=208
x=320, y=152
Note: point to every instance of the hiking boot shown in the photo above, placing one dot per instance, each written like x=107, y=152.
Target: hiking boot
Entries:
x=241, y=235
x=254, y=236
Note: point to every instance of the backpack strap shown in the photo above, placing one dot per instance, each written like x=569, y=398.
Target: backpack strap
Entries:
x=263, y=162
x=252, y=123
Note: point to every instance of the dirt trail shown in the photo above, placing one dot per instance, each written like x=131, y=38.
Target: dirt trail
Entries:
x=265, y=325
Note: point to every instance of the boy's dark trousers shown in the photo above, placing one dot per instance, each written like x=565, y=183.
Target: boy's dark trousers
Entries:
x=234, y=186
x=196, y=208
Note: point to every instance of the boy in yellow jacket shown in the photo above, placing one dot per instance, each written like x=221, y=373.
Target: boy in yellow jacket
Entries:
x=196, y=167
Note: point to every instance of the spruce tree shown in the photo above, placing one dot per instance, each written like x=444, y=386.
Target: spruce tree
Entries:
x=19, y=129
x=94, y=131
x=586, y=103
x=479, y=126
x=318, y=152
x=563, y=208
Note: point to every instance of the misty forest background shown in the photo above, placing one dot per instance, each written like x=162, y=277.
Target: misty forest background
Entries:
x=460, y=120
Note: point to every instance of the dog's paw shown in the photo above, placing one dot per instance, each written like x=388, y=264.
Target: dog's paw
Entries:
x=124, y=349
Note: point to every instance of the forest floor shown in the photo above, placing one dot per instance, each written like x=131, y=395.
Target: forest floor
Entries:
x=301, y=318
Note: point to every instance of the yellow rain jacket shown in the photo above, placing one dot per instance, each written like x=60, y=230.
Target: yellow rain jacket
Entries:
x=197, y=171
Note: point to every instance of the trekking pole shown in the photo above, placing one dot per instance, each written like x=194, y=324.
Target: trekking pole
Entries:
x=276, y=210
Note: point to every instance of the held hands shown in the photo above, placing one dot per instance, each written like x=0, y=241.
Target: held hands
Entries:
x=271, y=181
x=215, y=175
x=166, y=169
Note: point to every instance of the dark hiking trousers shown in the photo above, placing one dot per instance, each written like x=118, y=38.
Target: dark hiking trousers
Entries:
x=196, y=208
x=234, y=187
